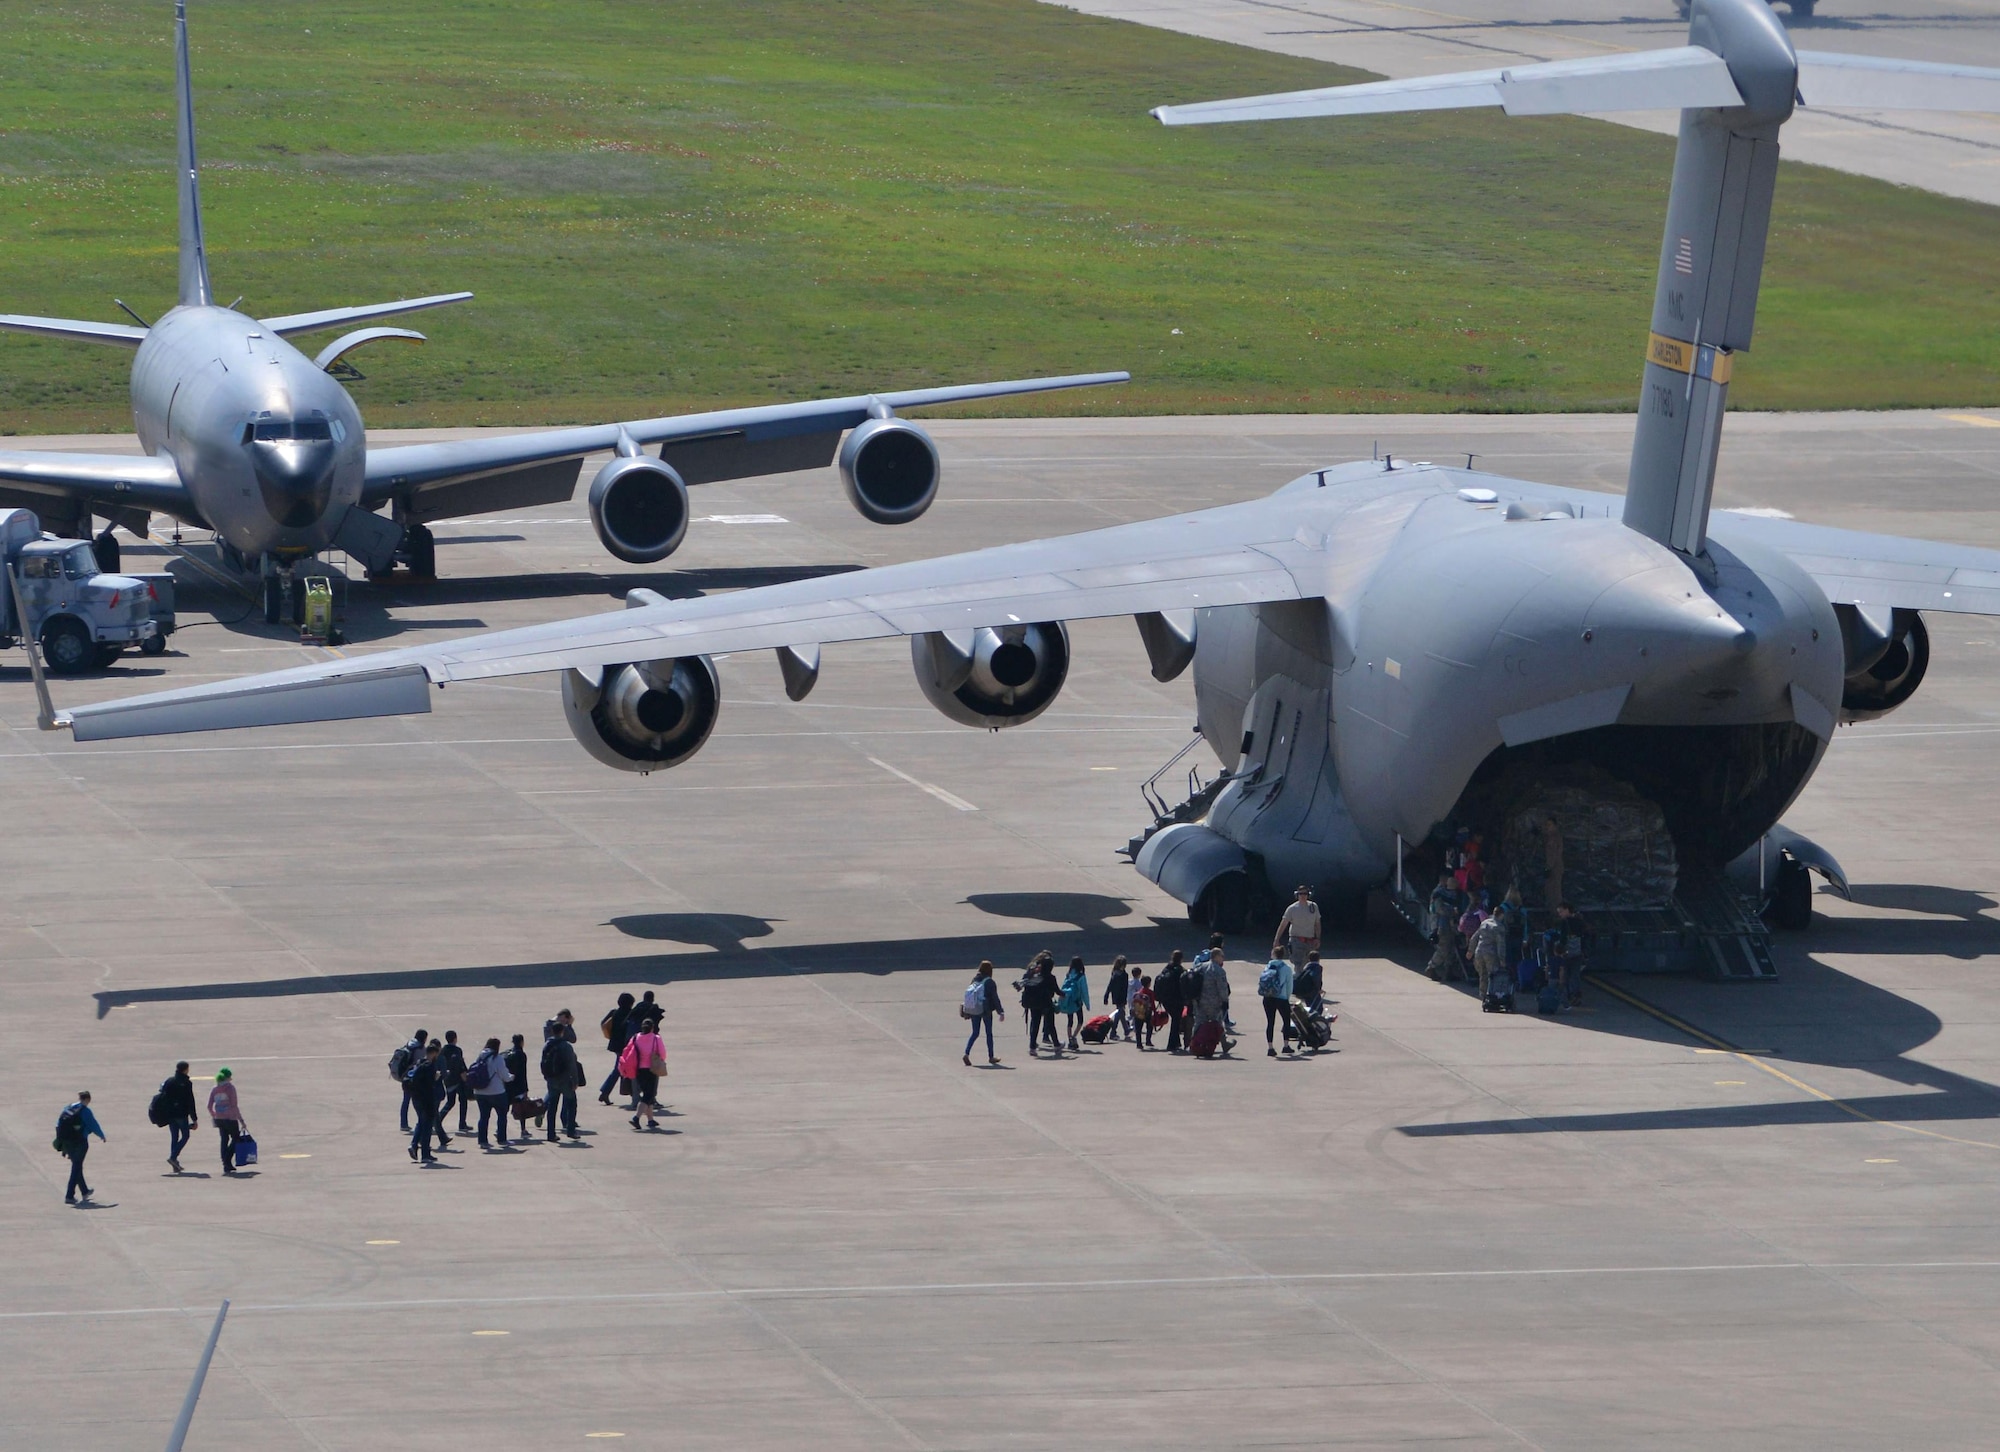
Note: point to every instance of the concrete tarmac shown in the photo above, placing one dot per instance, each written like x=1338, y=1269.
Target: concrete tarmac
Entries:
x=1958, y=155
x=1771, y=1228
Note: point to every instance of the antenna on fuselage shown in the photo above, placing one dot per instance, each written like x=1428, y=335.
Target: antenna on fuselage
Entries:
x=1735, y=83
x=194, y=255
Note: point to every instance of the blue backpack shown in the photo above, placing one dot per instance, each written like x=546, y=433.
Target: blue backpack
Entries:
x=479, y=1076
x=1267, y=981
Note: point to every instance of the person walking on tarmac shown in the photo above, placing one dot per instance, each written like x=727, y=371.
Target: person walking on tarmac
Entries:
x=1117, y=993
x=981, y=1003
x=226, y=1114
x=407, y=1057
x=1170, y=992
x=177, y=1110
x=1038, y=999
x=618, y=1030
x=1075, y=1001
x=1298, y=929
x=1274, y=986
x=643, y=1062
x=451, y=1079
x=487, y=1079
x=560, y=1072
x=74, y=1127
x=426, y=1090
x=517, y=1081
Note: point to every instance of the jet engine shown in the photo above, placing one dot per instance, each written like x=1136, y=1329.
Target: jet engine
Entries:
x=647, y=716
x=891, y=470
x=640, y=508
x=992, y=677
x=1887, y=653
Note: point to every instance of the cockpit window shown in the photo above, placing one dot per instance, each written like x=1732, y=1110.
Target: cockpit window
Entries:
x=277, y=430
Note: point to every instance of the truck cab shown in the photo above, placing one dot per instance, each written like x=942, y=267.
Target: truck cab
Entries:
x=82, y=617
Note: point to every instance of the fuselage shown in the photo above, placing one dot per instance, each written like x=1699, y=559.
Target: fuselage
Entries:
x=1475, y=630
x=269, y=446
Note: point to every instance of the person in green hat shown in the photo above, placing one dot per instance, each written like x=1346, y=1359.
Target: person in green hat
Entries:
x=227, y=1113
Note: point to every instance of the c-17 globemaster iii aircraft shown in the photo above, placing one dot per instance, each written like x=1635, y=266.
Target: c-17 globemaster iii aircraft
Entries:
x=245, y=435
x=1382, y=651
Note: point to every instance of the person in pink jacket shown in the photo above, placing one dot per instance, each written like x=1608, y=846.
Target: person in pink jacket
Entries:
x=643, y=1061
x=227, y=1114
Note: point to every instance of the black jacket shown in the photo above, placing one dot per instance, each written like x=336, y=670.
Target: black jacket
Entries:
x=179, y=1091
x=622, y=1029
x=644, y=1009
x=451, y=1065
x=558, y=1063
x=1039, y=989
x=1118, y=987
x=1170, y=987
x=423, y=1081
x=516, y=1061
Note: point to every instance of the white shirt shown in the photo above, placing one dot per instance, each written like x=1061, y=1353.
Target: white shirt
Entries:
x=1303, y=920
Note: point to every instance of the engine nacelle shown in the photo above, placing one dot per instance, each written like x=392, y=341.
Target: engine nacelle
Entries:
x=891, y=470
x=647, y=716
x=1887, y=655
x=992, y=677
x=640, y=508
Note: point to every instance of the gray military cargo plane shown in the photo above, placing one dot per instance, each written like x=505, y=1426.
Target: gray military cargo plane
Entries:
x=245, y=435
x=1381, y=650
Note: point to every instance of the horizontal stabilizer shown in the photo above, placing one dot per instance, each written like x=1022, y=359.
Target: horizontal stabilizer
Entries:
x=123, y=334
x=1874, y=83
x=404, y=691
x=340, y=317
x=1647, y=80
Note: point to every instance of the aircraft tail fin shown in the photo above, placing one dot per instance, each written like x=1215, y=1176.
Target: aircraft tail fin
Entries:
x=194, y=290
x=1736, y=83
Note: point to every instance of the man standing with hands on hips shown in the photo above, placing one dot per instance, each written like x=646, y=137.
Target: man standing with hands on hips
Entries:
x=1298, y=929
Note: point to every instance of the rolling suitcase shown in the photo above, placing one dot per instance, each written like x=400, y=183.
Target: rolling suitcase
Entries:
x=1096, y=1031
x=1206, y=1040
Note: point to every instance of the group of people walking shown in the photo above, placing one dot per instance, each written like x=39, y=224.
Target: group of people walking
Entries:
x=1507, y=953
x=1189, y=1001
x=174, y=1110
x=437, y=1077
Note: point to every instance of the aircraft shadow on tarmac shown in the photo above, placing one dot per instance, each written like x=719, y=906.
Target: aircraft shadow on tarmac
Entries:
x=1814, y=1015
x=721, y=948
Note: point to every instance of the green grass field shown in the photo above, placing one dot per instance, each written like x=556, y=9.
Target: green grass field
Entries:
x=670, y=205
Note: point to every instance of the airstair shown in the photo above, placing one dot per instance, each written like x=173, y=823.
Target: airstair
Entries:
x=1201, y=796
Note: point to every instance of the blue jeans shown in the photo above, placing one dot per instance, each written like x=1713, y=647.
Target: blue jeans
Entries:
x=563, y=1099
x=179, y=1132
x=496, y=1106
x=985, y=1020
x=76, y=1185
x=427, y=1125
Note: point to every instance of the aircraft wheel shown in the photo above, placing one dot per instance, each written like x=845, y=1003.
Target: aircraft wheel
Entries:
x=155, y=644
x=1791, y=906
x=420, y=549
x=105, y=547
x=67, y=648
x=1227, y=903
x=274, y=600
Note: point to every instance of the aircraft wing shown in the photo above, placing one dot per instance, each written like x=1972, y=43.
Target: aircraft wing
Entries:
x=123, y=335
x=314, y=322
x=513, y=471
x=110, y=483
x=1238, y=554
x=1876, y=569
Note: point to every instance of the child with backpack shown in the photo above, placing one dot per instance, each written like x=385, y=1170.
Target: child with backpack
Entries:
x=980, y=1003
x=1117, y=992
x=1140, y=1004
x=1075, y=1000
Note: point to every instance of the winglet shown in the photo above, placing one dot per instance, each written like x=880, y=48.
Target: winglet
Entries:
x=194, y=254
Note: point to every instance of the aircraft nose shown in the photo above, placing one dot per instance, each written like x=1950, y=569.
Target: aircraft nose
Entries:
x=295, y=477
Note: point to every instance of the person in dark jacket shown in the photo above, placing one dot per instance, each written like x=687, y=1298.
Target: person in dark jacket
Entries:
x=517, y=1080
x=413, y=1051
x=1309, y=987
x=177, y=1099
x=1170, y=992
x=424, y=1088
x=74, y=1127
x=451, y=1076
x=560, y=1071
x=1117, y=989
x=988, y=1000
x=618, y=1030
x=1038, y=1000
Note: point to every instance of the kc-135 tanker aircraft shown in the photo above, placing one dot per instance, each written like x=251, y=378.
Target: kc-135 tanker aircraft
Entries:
x=245, y=435
x=1382, y=650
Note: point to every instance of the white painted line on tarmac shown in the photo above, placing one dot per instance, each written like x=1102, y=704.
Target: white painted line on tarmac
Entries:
x=960, y=1288
x=960, y=803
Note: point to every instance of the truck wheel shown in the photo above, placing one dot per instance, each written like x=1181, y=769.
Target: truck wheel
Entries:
x=155, y=644
x=106, y=654
x=274, y=600
x=67, y=649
